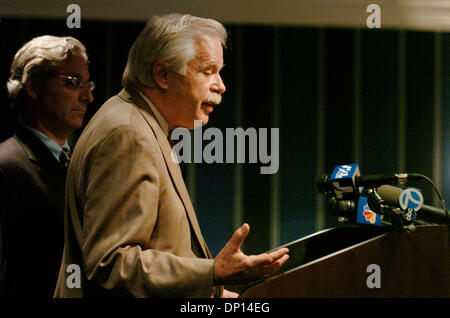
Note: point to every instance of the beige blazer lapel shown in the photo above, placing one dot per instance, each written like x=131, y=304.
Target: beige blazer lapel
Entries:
x=174, y=169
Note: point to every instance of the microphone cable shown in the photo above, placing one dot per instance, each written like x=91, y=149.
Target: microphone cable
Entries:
x=439, y=195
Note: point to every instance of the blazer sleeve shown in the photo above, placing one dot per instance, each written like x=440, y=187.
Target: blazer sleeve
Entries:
x=121, y=189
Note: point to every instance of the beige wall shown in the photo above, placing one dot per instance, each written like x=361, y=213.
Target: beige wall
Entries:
x=432, y=15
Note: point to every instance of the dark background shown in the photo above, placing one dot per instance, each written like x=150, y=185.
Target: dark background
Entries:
x=337, y=95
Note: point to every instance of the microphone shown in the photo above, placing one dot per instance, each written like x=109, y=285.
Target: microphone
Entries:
x=354, y=211
x=395, y=196
x=342, y=208
x=345, y=181
x=390, y=196
x=376, y=180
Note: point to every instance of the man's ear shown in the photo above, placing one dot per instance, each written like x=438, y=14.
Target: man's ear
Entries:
x=31, y=89
x=160, y=73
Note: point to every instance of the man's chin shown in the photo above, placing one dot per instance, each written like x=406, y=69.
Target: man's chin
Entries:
x=75, y=124
x=198, y=122
x=207, y=108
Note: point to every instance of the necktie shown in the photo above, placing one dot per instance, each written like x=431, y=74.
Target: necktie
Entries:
x=64, y=157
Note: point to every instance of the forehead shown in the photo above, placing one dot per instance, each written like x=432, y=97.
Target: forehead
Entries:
x=77, y=65
x=209, y=50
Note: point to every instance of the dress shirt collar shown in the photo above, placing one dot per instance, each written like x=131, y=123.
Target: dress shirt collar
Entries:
x=159, y=117
x=52, y=145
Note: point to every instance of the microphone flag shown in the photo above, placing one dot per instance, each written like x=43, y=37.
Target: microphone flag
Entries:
x=343, y=181
x=365, y=215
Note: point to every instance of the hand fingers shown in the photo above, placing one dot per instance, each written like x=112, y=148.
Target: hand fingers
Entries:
x=275, y=266
x=229, y=294
x=265, y=265
x=279, y=253
x=267, y=259
x=238, y=237
x=278, y=263
x=275, y=255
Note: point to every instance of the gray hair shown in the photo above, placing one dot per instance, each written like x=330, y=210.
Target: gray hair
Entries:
x=171, y=39
x=36, y=58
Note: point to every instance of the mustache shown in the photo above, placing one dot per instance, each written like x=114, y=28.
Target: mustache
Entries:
x=214, y=98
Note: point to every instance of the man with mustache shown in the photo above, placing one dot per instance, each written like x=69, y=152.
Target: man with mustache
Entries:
x=130, y=225
x=49, y=89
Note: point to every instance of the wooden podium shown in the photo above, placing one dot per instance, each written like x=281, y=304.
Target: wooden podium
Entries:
x=338, y=262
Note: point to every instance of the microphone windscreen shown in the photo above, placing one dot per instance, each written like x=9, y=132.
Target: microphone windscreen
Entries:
x=390, y=194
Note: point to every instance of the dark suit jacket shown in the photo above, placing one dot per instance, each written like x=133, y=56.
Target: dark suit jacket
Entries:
x=32, y=186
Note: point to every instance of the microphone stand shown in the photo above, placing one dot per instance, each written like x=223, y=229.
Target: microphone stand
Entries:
x=399, y=219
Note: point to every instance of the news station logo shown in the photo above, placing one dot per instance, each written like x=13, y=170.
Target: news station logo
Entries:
x=343, y=180
x=365, y=214
x=411, y=198
x=410, y=201
x=344, y=171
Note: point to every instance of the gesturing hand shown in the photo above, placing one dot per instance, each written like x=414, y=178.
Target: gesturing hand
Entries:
x=233, y=267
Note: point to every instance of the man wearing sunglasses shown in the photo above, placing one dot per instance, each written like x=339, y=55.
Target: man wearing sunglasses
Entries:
x=49, y=88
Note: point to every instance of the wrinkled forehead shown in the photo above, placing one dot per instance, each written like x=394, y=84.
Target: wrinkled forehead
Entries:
x=76, y=65
x=209, y=51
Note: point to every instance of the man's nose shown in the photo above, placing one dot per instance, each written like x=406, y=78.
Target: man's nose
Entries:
x=86, y=94
x=219, y=86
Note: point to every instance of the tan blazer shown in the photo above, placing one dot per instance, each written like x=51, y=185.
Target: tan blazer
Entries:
x=130, y=224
